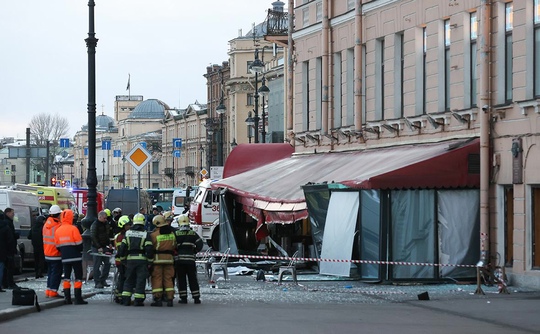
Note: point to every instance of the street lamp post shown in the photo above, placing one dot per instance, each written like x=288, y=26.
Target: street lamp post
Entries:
x=81, y=179
x=91, y=178
x=220, y=110
x=123, y=171
x=263, y=91
x=249, y=122
x=256, y=68
x=103, y=175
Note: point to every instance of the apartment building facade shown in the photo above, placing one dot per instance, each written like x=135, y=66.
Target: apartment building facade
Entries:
x=371, y=75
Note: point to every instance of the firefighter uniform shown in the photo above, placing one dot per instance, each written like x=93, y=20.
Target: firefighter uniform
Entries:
x=136, y=247
x=68, y=241
x=124, y=223
x=164, y=242
x=188, y=244
x=52, y=254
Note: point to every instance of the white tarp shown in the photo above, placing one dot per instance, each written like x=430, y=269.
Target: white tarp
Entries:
x=339, y=233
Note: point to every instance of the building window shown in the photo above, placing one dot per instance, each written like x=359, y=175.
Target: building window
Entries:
x=305, y=17
x=424, y=66
x=350, y=4
x=536, y=47
x=447, y=64
x=398, y=73
x=536, y=228
x=350, y=86
x=319, y=11
x=319, y=92
x=250, y=99
x=155, y=167
x=338, y=105
x=509, y=53
x=379, y=79
x=248, y=66
x=305, y=95
x=474, y=72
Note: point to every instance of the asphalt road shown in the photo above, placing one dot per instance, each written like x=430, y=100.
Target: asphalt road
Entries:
x=244, y=305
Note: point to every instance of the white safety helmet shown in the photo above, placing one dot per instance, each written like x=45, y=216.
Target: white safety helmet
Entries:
x=54, y=210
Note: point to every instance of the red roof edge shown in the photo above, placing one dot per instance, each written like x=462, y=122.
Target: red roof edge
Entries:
x=246, y=157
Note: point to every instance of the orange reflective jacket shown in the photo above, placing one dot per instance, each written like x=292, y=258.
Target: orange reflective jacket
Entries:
x=68, y=239
x=49, y=246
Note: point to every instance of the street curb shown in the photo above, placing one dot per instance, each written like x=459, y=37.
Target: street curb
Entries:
x=18, y=311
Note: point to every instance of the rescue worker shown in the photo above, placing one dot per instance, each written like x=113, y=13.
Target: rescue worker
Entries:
x=188, y=244
x=124, y=223
x=164, y=243
x=52, y=254
x=69, y=242
x=136, y=247
x=116, y=214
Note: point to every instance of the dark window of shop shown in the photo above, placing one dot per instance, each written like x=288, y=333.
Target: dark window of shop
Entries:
x=536, y=228
x=508, y=226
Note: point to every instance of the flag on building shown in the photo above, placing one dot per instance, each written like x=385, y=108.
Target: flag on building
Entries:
x=129, y=79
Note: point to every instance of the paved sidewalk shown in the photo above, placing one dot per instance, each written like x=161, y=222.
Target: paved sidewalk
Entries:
x=8, y=311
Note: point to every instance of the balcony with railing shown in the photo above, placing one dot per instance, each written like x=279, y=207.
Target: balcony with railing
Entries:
x=277, y=27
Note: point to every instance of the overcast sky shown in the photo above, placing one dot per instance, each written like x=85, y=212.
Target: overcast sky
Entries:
x=164, y=44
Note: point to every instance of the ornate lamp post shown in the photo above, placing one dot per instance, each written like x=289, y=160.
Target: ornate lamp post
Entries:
x=103, y=175
x=256, y=68
x=91, y=178
x=220, y=110
x=263, y=91
x=81, y=179
x=250, y=122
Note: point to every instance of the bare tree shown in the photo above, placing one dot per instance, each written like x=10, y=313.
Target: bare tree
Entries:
x=46, y=127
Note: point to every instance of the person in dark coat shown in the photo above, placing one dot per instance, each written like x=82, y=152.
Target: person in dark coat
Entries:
x=7, y=246
x=36, y=235
x=102, y=248
x=9, y=269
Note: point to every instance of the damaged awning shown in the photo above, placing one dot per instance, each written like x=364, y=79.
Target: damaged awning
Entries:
x=246, y=157
x=275, y=189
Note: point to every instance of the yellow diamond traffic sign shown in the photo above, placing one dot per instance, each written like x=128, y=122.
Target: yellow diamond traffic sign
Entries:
x=138, y=157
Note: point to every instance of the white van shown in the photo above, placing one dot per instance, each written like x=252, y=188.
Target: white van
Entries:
x=204, y=211
x=182, y=199
x=27, y=208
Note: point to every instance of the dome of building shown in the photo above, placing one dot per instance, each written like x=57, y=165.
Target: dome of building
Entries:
x=151, y=108
x=104, y=122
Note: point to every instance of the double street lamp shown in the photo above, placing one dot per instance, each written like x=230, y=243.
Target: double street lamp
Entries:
x=256, y=68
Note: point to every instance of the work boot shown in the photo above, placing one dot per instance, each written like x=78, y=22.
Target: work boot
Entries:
x=67, y=297
x=54, y=294
x=126, y=301
x=78, y=298
x=197, y=300
x=139, y=302
x=157, y=302
x=170, y=303
x=182, y=300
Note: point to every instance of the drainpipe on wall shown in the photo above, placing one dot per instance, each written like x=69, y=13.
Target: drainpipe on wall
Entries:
x=484, y=107
x=325, y=66
x=358, y=84
x=290, y=68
